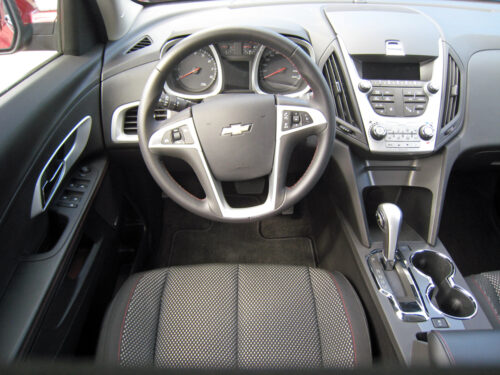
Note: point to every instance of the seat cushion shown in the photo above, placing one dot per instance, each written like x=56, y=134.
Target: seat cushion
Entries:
x=236, y=316
x=486, y=288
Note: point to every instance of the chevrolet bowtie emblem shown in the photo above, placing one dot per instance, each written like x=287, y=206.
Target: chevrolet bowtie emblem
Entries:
x=236, y=129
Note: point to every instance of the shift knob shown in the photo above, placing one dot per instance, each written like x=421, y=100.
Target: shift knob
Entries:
x=389, y=217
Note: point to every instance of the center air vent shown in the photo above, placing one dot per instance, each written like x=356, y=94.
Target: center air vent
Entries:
x=130, y=119
x=144, y=42
x=335, y=78
x=452, y=94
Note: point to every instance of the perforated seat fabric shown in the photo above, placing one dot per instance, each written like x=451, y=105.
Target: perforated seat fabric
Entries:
x=236, y=316
x=486, y=288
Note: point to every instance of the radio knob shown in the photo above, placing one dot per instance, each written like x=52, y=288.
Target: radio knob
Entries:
x=365, y=86
x=432, y=88
x=378, y=132
x=426, y=132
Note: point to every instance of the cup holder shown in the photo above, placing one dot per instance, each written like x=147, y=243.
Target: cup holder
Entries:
x=444, y=295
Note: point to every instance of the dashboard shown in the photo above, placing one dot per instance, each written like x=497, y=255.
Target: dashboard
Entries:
x=398, y=71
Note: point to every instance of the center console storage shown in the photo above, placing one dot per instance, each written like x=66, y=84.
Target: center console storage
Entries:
x=442, y=292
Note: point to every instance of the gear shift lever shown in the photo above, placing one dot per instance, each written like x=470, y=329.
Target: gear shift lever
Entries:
x=389, y=217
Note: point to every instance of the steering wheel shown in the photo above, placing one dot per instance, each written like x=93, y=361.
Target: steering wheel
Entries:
x=237, y=137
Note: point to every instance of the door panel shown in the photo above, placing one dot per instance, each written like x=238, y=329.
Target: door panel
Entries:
x=36, y=117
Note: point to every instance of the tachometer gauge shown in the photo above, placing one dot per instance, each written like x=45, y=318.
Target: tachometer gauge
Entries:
x=278, y=75
x=197, y=72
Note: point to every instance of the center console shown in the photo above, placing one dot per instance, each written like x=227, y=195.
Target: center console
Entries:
x=413, y=289
x=405, y=84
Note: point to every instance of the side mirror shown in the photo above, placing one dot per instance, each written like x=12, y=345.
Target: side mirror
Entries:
x=14, y=34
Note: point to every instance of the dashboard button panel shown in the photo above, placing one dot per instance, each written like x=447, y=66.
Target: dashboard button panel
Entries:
x=396, y=101
x=396, y=137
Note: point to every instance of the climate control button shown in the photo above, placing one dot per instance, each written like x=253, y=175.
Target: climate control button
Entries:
x=378, y=132
x=426, y=132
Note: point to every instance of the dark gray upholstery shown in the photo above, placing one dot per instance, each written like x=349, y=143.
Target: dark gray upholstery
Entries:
x=236, y=316
x=486, y=288
x=465, y=348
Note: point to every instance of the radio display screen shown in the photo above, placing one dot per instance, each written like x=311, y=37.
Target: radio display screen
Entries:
x=396, y=71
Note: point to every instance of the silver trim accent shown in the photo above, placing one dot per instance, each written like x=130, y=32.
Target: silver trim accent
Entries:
x=412, y=124
x=254, y=81
x=215, y=88
x=155, y=144
x=389, y=218
x=118, y=121
x=451, y=282
x=117, y=125
x=82, y=129
x=418, y=315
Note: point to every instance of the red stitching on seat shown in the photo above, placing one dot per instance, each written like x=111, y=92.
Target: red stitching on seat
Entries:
x=347, y=316
x=487, y=298
x=446, y=347
x=125, y=316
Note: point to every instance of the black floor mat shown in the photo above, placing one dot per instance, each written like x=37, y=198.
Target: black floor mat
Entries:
x=470, y=222
x=189, y=239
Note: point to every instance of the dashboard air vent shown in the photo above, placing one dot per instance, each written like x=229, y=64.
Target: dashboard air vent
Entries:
x=452, y=92
x=335, y=78
x=144, y=42
x=130, y=119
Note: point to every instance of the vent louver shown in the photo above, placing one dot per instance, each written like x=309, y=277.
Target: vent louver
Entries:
x=335, y=78
x=144, y=42
x=452, y=92
x=130, y=119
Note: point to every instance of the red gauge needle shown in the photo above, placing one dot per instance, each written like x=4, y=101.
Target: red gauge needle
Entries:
x=195, y=70
x=276, y=72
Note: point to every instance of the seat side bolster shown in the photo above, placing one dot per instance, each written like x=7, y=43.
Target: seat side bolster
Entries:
x=359, y=325
x=111, y=330
x=486, y=297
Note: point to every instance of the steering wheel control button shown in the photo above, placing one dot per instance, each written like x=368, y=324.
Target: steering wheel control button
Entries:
x=426, y=132
x=306, y=118
x=176, y=136
x=167, y=138
x=287, y=120
x=295, y=119
x=186, y=135
x=378, y=132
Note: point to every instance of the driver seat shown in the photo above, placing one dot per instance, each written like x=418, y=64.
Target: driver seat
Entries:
x=236, y=317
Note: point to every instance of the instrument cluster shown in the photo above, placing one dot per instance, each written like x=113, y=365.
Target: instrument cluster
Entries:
x=236, y=66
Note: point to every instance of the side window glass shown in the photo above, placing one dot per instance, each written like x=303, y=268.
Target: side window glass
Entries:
x=28, y=38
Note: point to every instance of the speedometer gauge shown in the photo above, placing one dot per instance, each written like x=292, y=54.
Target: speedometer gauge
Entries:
x=278, y=75
x=197, y=72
